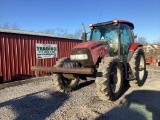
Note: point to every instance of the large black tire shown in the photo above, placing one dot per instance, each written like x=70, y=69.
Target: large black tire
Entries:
x=61, y=83
x=109, y=80
x=138, y=67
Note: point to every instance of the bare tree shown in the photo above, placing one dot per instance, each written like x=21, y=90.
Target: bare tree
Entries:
x=15, y=26
x=61, y=32
x=49, y=31
x=64, y=33
x=56, y=32
x=5, y=25
x=78, y=34
x=70, y=36
x=157, y=42
x=142, y=40
x=10, y=26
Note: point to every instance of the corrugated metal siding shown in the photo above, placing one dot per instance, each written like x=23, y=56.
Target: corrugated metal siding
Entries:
x=17, y=53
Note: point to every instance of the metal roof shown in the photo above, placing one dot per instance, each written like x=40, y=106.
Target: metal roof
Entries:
x=127, y=22
x=23, y=32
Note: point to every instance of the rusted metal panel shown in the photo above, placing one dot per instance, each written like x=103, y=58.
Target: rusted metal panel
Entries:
x=3, y=58
x=17, y=53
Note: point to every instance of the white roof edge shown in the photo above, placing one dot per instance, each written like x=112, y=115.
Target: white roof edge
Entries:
x=4, y=30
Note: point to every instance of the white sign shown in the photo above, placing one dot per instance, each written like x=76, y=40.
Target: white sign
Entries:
x=46, y=51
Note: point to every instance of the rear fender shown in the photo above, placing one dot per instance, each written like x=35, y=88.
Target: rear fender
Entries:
x=132, y=48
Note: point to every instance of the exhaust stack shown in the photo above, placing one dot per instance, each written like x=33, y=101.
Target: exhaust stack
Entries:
x=84, y=34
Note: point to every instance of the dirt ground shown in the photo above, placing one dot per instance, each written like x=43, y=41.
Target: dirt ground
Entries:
x=39, y=101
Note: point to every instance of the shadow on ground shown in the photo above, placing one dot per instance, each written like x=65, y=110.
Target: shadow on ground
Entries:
x=84, y=84
x=138, y=105
x=33, y=107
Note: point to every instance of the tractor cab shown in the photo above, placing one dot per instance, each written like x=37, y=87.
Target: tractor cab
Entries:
x=117, y=33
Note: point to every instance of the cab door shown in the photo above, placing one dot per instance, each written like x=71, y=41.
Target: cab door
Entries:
x=125, y=39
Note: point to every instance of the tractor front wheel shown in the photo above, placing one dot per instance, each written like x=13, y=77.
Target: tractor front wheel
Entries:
x=62, y=83
x=109, y=80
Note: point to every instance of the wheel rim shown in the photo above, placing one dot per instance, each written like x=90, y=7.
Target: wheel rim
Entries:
x=115, y=78
x=141, y=65
x=67, y=82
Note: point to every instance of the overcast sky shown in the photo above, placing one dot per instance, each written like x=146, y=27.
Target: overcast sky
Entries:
x=38, y=15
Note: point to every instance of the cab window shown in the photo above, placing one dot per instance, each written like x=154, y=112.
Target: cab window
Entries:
x=125, y=38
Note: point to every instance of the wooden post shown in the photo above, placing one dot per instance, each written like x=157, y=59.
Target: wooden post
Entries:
x=37, y=64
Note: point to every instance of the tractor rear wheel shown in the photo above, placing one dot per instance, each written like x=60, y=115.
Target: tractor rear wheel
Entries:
x=138, y=67
x=62, y=83
x=109, y=80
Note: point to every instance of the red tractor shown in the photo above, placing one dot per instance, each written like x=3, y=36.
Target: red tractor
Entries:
x=110, y=57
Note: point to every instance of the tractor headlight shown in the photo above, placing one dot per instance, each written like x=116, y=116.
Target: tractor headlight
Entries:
x=79, y=57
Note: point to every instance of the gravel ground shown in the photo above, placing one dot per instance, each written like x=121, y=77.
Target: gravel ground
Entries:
x=39, y=101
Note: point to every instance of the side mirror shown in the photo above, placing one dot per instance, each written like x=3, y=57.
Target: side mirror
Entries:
x=135, y=36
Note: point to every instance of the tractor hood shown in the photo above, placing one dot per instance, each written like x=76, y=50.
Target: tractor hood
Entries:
x=90, y=45
x=87, y=53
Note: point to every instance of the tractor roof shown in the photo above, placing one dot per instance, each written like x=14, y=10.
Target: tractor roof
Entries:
x=115, y=21
x=127, y=22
